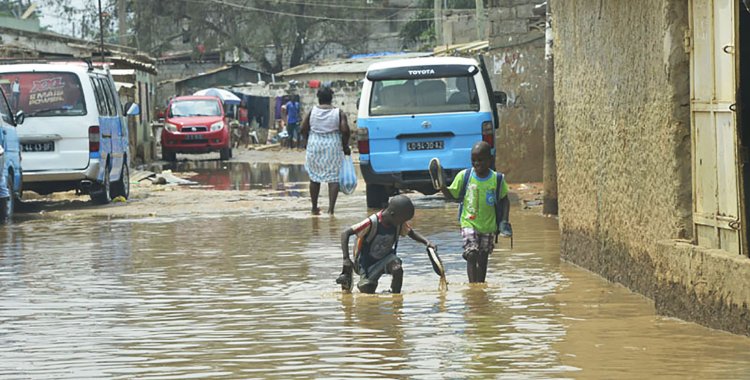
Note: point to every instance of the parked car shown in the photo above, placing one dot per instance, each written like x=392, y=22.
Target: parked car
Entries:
x=412, y=110
x=75, y=135
x=10, y=158
x=195, y=124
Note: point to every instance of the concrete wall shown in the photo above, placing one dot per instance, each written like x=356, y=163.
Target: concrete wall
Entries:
x=623, y=159
x=517, y=66
x=459, y=26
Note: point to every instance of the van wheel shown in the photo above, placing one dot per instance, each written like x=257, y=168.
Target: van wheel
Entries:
x=168, y=156
x=122, y=187
x=100, y=192
x=376, y=195
x=225, y=154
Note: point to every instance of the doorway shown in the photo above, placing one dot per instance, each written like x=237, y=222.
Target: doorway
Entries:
x=743, y=108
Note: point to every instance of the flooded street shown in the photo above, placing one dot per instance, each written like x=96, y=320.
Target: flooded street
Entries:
x=252, y=295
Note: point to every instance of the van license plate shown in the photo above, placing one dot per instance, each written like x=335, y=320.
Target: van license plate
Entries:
x=424, y=145
x=38, y=147
x=194, y=137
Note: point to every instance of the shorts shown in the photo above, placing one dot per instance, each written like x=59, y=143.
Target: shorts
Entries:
x=476, y=243
x=371, y=276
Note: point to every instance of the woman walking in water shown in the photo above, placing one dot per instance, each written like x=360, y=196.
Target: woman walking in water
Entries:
x=326, y=130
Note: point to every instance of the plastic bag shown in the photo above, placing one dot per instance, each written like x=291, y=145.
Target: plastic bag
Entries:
x=347, y=176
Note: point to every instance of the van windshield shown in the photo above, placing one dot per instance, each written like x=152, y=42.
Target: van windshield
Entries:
x=415, y=96
x=185, y=108
x=44, y=94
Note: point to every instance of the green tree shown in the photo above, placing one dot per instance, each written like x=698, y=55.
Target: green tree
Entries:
x=275, y=33
x=16, y=8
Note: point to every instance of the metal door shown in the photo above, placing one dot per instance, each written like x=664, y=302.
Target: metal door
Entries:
x=713, y=82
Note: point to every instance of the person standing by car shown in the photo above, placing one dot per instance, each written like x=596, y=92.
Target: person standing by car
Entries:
x=292, y=111
x=326, y=130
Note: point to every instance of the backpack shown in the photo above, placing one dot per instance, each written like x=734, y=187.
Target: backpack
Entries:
x=498, y=207
x=369, y=238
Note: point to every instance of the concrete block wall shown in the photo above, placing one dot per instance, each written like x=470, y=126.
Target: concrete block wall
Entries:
x=517, y=67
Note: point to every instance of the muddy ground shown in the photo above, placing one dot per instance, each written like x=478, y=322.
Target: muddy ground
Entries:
x=148, y=199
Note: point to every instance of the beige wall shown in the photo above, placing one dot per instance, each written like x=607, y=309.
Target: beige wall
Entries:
x=623, y=136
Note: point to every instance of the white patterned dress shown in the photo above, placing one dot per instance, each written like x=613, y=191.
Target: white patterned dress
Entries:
x=324, y=150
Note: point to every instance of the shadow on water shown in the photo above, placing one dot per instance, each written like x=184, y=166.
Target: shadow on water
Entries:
x=223, y=175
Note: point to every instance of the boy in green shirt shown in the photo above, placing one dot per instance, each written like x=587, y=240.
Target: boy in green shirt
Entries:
x=479, y=212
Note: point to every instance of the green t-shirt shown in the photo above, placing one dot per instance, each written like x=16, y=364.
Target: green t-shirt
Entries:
x=479, y=203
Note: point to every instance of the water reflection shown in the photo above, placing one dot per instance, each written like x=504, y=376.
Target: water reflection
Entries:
x=253, y=296
x=286, y=179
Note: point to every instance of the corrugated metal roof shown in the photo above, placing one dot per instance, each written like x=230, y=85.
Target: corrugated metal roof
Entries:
x=465, y=48
x=343, y=66
x=219, y=69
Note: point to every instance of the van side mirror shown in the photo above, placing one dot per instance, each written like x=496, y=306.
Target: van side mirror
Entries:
x=133, y=109
x=500, y=97
x=19, y=117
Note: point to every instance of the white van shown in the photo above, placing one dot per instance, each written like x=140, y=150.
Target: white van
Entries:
x=75, y=135
x=412, y=110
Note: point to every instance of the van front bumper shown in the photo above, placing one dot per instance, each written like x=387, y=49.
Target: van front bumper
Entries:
x=201, y=142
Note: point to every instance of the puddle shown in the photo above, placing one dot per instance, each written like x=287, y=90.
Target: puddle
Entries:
x=283, y=179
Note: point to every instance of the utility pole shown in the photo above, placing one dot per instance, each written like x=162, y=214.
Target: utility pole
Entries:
x=122, y=25
x=480, y=15
x=549, y=169
x=438, y=22
x=101, y=31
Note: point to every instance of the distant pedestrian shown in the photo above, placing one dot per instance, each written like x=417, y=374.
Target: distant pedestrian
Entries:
x=326, y=130
x=376, y=249
x=292, y=110
x=15, y=95
x=484, y=211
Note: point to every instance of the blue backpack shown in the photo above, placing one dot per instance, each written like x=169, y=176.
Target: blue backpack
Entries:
x=498, y=206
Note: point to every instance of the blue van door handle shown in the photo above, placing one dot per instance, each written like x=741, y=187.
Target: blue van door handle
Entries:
x=107, y=136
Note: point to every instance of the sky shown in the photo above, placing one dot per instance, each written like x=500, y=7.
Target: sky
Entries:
x=57, y=23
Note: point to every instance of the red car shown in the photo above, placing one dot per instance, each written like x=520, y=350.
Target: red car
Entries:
x=195, y=124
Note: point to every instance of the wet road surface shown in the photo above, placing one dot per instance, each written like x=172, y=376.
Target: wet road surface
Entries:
x=253, y=296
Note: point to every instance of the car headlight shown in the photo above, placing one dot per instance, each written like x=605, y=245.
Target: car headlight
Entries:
x=170, y=127
x=217, y=125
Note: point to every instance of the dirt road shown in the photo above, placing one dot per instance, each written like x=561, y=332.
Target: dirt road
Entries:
x=148, y=199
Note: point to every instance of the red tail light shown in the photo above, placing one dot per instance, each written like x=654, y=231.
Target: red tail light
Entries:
x=363, y=140
x=488, y=133
x=94, y=139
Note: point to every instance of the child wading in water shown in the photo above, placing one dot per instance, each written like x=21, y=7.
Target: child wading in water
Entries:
x=376, y=246
x=484, y=210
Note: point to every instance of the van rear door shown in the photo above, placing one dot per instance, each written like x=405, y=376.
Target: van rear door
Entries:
x=55, y=133
x=416, y=114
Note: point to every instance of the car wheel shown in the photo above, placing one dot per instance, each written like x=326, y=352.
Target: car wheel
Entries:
x=122, y=187
x=100, y=192
x=225, y=154
x=376, y=196
x=168, y=156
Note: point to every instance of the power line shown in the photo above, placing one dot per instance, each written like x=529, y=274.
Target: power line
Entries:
x=246, y=7
x=329, y=5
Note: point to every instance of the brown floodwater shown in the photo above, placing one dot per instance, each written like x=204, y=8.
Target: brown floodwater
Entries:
x=254, y=297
